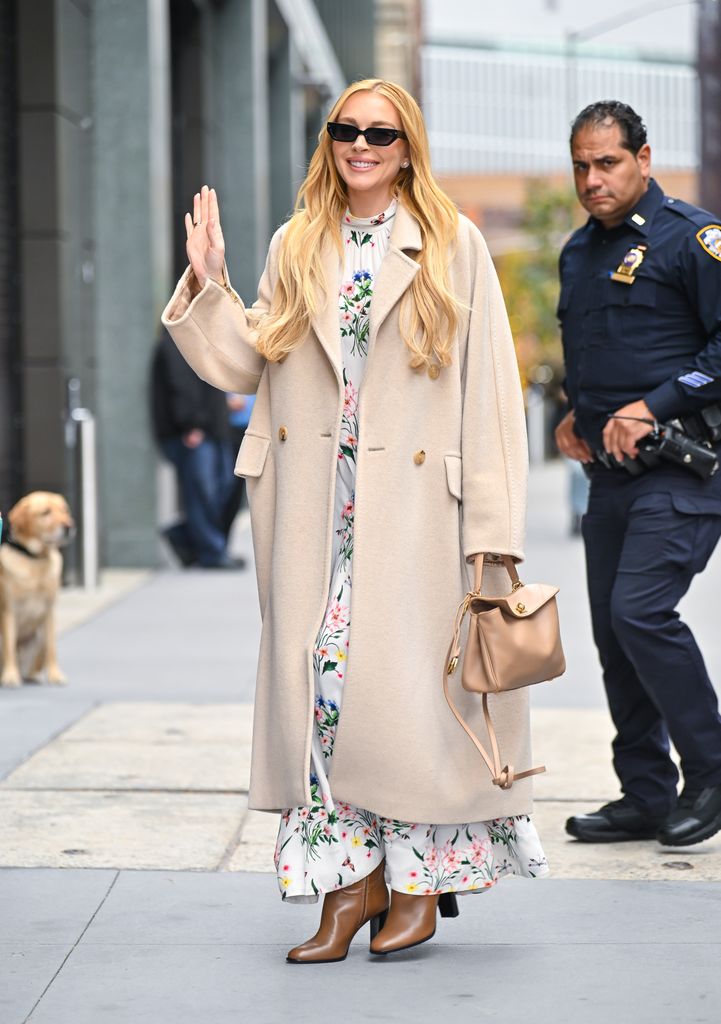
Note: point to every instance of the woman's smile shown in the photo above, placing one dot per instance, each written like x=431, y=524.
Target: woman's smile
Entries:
x=362, y=165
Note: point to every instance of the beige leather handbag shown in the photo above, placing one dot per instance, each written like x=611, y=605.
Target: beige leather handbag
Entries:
x=513, y=640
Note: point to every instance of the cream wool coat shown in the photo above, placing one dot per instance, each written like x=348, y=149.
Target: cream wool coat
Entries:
x=398, y=751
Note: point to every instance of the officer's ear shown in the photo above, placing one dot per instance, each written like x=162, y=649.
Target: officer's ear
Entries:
x=643, y=158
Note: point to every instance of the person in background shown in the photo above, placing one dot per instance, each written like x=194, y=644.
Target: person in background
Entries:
x=190, y=420
x=239, y=409
x=640, y=312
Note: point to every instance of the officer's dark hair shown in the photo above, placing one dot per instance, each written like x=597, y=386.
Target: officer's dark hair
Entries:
x=633, y=130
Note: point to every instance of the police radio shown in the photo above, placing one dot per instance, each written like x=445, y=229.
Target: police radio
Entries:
x=668, y=442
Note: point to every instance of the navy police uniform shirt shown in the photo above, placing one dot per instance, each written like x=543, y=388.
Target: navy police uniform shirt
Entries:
x=640, y=313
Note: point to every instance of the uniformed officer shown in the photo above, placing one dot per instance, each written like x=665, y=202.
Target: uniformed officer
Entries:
x=640, y=311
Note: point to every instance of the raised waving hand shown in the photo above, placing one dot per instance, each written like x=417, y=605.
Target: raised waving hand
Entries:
x=205, y=245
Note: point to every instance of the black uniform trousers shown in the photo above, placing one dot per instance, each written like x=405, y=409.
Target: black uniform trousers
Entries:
x=643, y=548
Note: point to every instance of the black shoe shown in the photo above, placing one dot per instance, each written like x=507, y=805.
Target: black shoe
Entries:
x=175, y=535
x=697, y=817
x=227, y=563
x=617, y=822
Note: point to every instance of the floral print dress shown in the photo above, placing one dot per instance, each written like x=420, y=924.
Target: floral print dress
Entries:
x=331, y=844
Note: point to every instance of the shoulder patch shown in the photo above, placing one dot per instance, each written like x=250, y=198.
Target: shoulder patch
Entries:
x=709, y=238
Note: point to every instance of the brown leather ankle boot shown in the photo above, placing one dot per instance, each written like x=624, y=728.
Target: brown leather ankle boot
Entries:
x=411, y=920
x=344, y=913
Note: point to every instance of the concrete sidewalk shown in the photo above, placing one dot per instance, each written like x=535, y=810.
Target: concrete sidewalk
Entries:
x=106, y=947
x=136, y=886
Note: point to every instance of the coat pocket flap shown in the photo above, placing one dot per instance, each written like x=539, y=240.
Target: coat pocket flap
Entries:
x=521, y=603
x=252, y=455
x=454, y=474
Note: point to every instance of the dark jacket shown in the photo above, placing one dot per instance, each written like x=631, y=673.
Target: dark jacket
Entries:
x=655, y=335
x=181, y=401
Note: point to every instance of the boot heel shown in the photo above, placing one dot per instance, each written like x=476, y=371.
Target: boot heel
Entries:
x=448, y=905
x=377, y=922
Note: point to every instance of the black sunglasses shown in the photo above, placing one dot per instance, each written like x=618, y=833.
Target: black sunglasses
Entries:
x=373, y=136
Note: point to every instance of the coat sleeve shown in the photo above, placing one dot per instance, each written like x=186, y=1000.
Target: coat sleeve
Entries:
x=212, y=330
x=493, y=439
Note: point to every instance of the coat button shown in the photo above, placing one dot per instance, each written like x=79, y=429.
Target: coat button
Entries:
x=283, y=433
x=419, y=458
x=434, y=371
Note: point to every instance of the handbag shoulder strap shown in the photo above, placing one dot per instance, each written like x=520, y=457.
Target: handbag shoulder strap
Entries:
x=503, y=777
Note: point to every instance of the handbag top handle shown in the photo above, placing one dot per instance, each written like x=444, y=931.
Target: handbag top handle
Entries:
x=509, y=565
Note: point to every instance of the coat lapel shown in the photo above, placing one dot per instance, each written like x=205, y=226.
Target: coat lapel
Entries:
x=326, y=323
x=397, y=270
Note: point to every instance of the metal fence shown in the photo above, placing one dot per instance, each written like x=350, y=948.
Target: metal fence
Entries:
x=491, y=112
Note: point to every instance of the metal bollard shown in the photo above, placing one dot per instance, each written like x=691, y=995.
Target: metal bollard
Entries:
x=87, y=477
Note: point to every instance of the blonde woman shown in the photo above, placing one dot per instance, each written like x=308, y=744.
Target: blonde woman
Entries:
x=386, y=451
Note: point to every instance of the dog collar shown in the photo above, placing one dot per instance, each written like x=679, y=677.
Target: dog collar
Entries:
x=21, y=547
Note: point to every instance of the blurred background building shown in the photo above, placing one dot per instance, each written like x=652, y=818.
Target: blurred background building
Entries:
x=113, y=112
x=503, y=82
x=501, y=85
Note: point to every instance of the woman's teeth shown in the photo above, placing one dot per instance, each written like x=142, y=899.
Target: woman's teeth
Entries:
x=362, y=163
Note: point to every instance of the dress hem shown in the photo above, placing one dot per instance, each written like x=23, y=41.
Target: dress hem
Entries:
x=541, y=872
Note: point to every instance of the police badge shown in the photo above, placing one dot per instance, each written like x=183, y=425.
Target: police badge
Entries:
x=626, y=272
x=710, y=240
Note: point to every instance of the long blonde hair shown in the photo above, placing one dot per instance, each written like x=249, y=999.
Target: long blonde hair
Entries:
x=429, y=311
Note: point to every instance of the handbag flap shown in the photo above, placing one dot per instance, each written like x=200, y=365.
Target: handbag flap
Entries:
x=520, y=603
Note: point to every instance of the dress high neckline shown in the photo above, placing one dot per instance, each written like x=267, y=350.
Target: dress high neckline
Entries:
x=376, y=221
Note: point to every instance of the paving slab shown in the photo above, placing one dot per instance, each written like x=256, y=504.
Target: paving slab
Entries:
x=39, y=906
x=158, y=908
x=25, y=971
x=75, y=605
x=187, y=635
x=164, y=748
x=647, y=860
x=116, y=829
x=256, y=844
x=547, y=984
x=146, y=746
x=165, y=721
x=32, y=716
x=186, y=947
x=117, y=765
x=575, y=746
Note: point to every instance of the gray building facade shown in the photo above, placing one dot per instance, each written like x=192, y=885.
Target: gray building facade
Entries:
x=112, y=114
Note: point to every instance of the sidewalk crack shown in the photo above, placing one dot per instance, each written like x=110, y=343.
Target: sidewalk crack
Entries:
x=72, y=949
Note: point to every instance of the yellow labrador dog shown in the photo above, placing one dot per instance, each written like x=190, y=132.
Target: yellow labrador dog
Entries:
x=30, y=568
